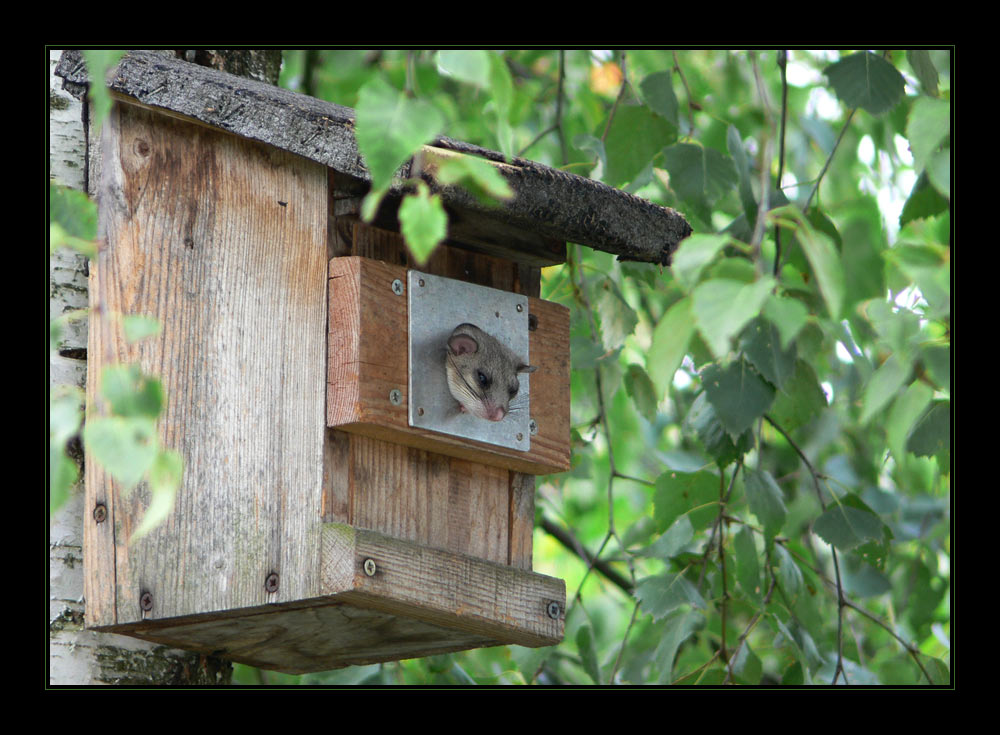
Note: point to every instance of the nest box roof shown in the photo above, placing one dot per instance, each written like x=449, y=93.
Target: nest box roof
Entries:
x=549, y=203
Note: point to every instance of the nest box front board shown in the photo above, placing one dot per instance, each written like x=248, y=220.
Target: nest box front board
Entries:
x=317, y=526
x=388, y=336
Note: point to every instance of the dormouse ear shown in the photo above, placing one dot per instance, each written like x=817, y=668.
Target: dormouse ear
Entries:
x=527, y=368
x=462, y=344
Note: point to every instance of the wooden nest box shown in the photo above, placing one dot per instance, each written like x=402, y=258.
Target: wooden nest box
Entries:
x=324, y=518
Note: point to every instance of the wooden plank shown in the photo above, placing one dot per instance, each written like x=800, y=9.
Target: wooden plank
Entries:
x=444, y=588
x=224, y=242
x=417, y=602
x=368, y=361
x=550, y=206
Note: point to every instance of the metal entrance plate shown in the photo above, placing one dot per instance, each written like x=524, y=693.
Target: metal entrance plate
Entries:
x=436, y=306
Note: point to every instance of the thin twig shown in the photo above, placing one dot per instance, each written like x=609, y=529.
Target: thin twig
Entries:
x=782, y=63
x=841, y=600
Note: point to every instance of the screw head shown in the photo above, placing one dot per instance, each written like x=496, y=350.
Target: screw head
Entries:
x=554, y=609
x=520, y=307
x=146, y=602
x=397, y=287
x=395, y=397
x=369, y=567
x=100, y=512
x=271, y=583
x=533, y=427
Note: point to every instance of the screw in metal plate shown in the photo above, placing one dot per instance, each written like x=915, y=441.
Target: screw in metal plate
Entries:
x=397, y=287
x=395, y=397
x=553, y=609
x=146, y=601
x=520, y=307
x=369, y=567
x=533, y=427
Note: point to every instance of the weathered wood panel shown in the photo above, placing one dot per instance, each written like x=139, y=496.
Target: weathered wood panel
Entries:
x=222, y=240
x=369, y=360
x=416, y=602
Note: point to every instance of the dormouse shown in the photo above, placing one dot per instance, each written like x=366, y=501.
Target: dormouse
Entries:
x=482, y=372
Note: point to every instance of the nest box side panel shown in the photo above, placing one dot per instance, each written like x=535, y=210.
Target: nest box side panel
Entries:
x=223, y=241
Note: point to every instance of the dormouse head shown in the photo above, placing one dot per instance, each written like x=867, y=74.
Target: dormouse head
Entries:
x=482, y=372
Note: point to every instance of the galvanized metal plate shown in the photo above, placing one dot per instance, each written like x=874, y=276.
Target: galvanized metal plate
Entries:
x=436, y=306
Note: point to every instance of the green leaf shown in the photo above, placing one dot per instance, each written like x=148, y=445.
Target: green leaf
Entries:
x=789, y=574
x=471, y=67
x=747, y=666
x=734, y=144
x=788, y=315
x=640, y=389
x=761, y=344
x=939, y=171
x=664, y=593
x=867, y=81
x=766, y=500
x=125, y=447
x=671, y=543
x=699, y=175
x=165, y=475
x=588, y=653
x=927, y=128
x=137, y=327
x=930, y=268
x=747, y=564
x=846, y=527
x=669, y=345
x=637, y=134
x=722, y=307
x=130, y=393
x=737, y=393
x=693, y=493
x=73, y=211
x=924, y=201
x=98, y=62
x=799, y=400
x=475, y=175
x=865, y=581
x=618, y=320
x=592, y=145
x=826, y=265
x=713, y=435
x=63, y=474
x=423, y=222
x=677, y=628
x=923, y=67
x=658, y=93
x=931, y=435
x=65, y=418
x=390, y=128
x=906, y=409
x=694, y=253
x=882, y=387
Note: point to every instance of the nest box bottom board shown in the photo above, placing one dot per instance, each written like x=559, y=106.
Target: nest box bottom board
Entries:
x=387, y=600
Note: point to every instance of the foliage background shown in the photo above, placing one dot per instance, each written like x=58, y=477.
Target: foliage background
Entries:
x=761, y=481
x=760, y=491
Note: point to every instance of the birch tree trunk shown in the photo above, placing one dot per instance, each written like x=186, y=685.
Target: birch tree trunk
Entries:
x=76, y=655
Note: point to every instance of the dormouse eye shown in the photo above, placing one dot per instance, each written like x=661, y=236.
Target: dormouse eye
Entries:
x=483, y=378
x=513, y=390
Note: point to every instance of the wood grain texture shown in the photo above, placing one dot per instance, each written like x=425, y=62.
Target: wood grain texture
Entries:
x=223, y=241
x=445, y=588
x=550, y=206
x=369, y=360
x=418, y=602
